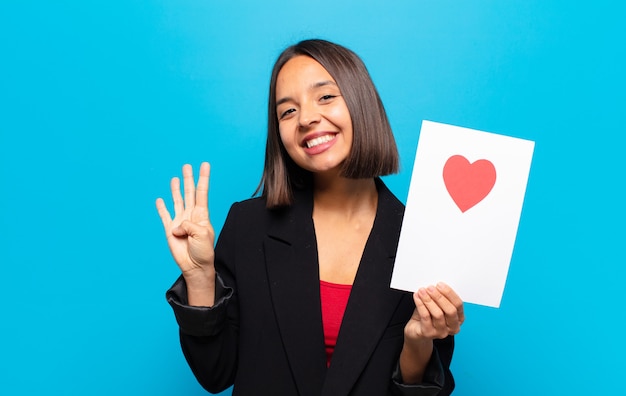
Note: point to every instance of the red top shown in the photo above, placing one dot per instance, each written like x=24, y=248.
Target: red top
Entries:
x=334, y=298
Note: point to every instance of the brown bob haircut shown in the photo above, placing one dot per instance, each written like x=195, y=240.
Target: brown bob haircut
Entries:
x=373, y=153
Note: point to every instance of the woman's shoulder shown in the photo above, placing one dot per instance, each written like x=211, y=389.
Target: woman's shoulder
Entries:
x=388, y=198
x=250, y=219
x=248, y=209
x=254, y=203
x=254, y=209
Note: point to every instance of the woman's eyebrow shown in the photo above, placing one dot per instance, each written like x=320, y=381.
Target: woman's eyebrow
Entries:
x=323, y=84
x=283, y=100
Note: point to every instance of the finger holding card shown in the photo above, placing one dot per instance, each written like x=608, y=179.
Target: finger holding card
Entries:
x=438, y=313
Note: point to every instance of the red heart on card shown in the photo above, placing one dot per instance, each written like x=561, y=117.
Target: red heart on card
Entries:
x=468, y=184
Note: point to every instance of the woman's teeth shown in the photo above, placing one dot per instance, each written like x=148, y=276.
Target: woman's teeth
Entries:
x=319, y=140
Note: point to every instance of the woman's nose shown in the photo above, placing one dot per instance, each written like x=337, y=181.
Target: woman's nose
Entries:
x=308, y=115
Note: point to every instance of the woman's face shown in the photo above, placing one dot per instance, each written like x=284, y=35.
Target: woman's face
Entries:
x=313, y=119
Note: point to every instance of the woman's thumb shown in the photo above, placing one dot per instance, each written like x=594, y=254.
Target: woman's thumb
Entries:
x=183, y=229
x=190, y=229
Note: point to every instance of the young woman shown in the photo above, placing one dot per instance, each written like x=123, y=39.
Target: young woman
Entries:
x=295, y=297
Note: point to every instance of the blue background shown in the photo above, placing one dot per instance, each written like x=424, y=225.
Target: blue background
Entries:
x=101, y=102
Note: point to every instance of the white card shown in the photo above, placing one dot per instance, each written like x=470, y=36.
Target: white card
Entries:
x=462, y=212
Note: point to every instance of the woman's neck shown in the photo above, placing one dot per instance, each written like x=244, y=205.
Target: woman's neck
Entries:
x=344, y=211
x=348, y=197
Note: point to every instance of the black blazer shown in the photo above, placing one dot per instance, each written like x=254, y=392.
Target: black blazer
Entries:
x=264, y=334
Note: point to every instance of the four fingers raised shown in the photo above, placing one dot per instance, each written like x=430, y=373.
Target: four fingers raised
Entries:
x=194, y=196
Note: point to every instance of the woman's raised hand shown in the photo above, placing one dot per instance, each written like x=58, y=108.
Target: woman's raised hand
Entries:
x=190, y=235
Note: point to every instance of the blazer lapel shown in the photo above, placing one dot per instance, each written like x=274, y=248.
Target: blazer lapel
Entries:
x=293, y=273
x=371, y=303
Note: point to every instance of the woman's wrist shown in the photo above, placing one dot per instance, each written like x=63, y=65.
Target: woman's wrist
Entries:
x=414, y=358
x=200, y=287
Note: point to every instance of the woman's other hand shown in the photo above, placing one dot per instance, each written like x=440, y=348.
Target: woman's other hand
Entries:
x=438, y=314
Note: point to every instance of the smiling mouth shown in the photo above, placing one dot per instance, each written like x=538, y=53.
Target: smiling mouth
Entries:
x=319, y=140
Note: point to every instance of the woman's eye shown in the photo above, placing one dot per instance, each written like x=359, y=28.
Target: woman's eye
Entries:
x=286, y=113
x=327, y=97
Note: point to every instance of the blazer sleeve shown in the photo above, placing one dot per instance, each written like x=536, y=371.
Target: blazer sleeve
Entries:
x=438, y=379
x=209, y=335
